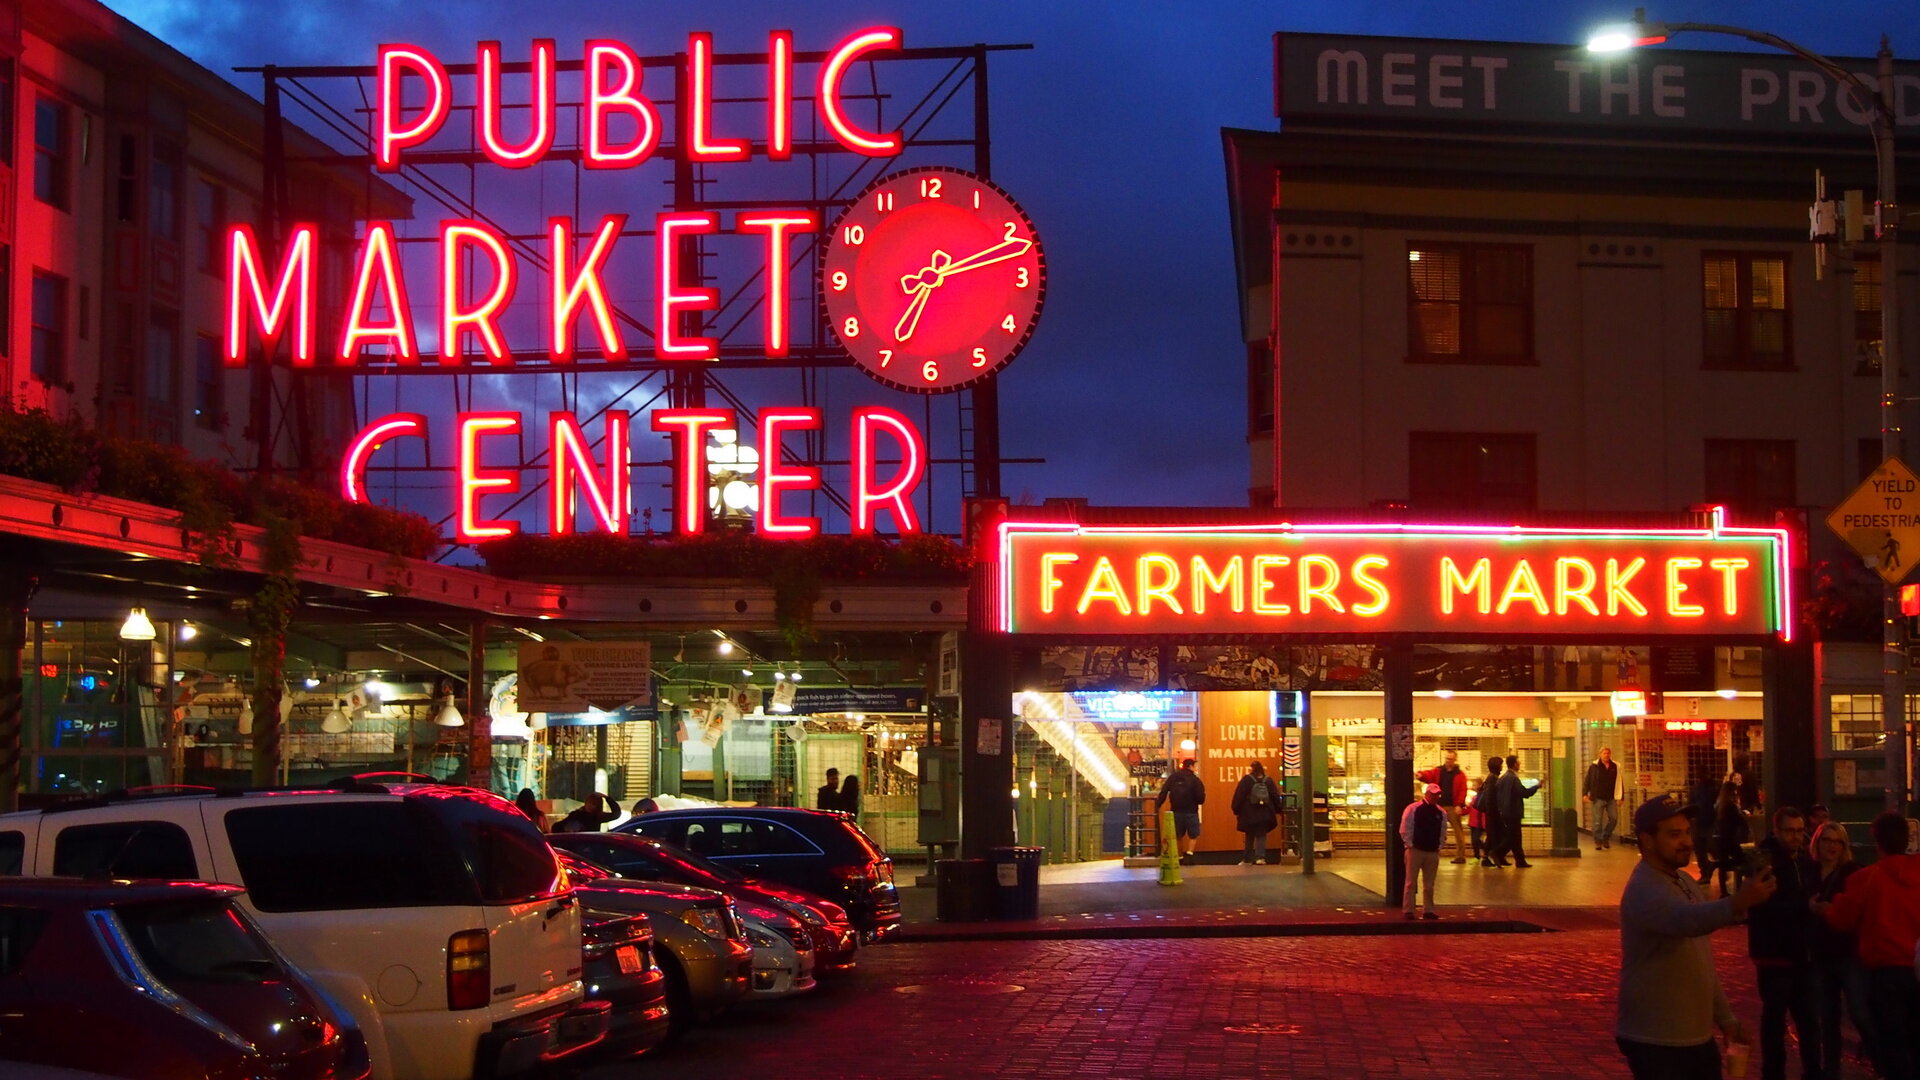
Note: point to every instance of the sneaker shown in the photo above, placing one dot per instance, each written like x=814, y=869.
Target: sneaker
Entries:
x=1430, y=915
x=1242, y=862
x=1459, y=860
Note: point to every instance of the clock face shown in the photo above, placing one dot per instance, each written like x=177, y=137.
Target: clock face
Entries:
x=932, y=279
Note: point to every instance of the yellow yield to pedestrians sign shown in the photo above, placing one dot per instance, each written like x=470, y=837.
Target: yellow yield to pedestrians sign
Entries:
x=1881, y=520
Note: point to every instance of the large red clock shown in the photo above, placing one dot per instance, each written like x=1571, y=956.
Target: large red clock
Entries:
x=933, y=279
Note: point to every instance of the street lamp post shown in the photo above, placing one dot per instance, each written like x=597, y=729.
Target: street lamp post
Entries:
x=1880, y=103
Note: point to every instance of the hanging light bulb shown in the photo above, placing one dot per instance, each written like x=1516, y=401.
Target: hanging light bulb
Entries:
x=726, y=647
x=336, y=721
x=313, y=679
x=187, y=632
x=245, y=724
x=449, y=716
x=795, y=676
x=137, y=627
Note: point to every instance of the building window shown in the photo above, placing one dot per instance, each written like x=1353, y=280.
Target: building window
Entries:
x=1854, y=721
x=1259, y=389
x=6, y=112
x=163, y=193
x=163, y=356
x=49, y=345
x=1867, y=281
x=1449, y=470
x=52, y=151
x=1751, y=476
x=126, y=182
x=209, y=378
x=1469, y=303
x=209, y=218
x=1745, y=299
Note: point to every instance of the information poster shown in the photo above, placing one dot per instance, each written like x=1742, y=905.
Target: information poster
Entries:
x=574, y=676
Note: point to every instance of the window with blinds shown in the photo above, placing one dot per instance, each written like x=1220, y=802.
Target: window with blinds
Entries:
x=1469, y=303
x=1744, y=298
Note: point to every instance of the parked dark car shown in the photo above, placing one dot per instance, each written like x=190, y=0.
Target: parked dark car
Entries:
x=699, y=941
x=160, y=980
x=620, y=970
x=645, y=858
x=820, y=851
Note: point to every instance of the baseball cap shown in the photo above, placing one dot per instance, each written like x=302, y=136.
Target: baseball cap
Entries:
x=1656, y=810
x=1433, y=789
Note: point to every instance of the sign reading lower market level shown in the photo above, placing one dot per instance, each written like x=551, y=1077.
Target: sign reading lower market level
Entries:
x=1877, y=521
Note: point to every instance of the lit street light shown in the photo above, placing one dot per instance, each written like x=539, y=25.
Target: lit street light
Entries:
x=1880, y=103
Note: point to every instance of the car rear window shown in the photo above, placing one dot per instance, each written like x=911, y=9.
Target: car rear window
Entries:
x=345, y=855
x=19, y=928
x=13, y=852
x=198, y=941
x=746, y=836
x=125, y=849
x=510, y=860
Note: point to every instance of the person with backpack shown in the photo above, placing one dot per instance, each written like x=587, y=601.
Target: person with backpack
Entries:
x=1184, y=791
x=1422, y=828
x=1256, y=811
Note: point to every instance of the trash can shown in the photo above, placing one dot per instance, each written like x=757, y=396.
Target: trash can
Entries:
x=963, y=890
x=1016, y=894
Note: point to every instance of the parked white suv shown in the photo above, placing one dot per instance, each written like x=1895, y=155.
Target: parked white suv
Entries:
x=436, y=915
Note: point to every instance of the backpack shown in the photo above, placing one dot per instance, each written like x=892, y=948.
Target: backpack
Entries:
x=1258, y=796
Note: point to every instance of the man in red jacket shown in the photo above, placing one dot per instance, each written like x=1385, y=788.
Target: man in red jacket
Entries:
x=1453, y=798
x=1881, y=904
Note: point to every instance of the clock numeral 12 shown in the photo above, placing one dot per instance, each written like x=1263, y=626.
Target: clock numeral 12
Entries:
x=929, y=187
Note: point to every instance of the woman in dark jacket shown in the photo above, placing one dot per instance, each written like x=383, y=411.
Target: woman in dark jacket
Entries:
x=1729, y=832
x=1256, y=810
x=1837, y=972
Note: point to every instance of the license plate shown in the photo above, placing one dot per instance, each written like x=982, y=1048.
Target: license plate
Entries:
x=629, y=959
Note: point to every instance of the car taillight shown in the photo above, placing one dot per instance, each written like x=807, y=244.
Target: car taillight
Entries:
x=468, y=978
x=854, y=876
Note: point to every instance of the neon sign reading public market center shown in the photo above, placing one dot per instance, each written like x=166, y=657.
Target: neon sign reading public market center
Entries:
x=271, y=296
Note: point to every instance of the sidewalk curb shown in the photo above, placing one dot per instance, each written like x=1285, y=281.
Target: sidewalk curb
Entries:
x=950, y=932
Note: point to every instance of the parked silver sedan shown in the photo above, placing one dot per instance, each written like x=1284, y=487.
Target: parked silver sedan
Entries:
x=783, y=955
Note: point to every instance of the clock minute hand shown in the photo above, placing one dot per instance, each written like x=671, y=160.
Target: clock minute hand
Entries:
x=1011, y=248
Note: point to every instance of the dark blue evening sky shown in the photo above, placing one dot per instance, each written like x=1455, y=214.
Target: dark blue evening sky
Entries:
x=1108, y=131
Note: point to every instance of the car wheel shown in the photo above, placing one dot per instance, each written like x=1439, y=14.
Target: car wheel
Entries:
x=679, y=999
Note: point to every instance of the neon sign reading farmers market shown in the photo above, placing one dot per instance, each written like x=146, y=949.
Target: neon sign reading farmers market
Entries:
x=1371, y=578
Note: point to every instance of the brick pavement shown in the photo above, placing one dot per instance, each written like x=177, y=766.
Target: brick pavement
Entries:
x=1389, y=1007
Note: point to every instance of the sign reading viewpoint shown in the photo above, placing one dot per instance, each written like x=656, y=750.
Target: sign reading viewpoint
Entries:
x=1373, y=579
x=574, y=676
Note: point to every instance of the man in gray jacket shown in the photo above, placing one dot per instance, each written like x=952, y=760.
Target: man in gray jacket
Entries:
x=1670, y=995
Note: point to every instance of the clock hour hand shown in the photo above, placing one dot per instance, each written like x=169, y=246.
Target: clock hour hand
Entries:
x=911, y=319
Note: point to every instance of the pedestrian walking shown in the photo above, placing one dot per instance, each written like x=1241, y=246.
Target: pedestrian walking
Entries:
x=1729, y=833
x=1477, y=827
x=1510, y=794
x=827, y=797
x=1488, y=802
x=1670, y=998
x=1881, y=906
x=590, y=815
x=1256, y=810
x=1702, y=795
x=1184, y=791
x=1423, y=828
x=1452, y=780
x=1780, y=941
x=1601, y=790
x=1838, y=974
x=850, y=794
